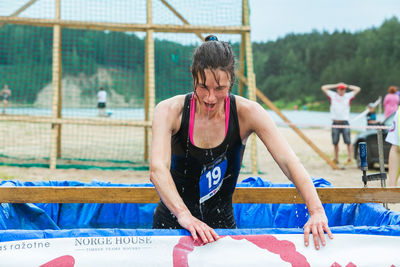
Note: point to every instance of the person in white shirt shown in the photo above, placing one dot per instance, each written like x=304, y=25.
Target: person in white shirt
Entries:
x=340, y=112
x=394, y=153
x=5, y=94
x=101, y=102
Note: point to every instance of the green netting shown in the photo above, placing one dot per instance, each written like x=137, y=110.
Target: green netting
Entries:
x=94, y=59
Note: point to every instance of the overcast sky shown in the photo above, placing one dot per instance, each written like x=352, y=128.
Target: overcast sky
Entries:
x=271, y=19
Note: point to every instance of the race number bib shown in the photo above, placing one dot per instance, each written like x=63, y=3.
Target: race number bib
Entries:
x=211, y=178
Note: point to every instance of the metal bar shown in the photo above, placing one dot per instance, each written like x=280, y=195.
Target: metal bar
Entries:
x=380, y=153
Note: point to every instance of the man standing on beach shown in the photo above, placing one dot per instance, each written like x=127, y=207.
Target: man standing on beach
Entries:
x=5, y=93
x=101, y=102
x=340, y=113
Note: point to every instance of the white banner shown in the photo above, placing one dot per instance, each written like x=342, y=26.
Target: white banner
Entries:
x=242, y=250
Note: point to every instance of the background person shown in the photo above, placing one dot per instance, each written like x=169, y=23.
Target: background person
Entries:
x=391, y=101
x=101, y=102
x=394, y=153
x=340, y=113
x=197, y=149
x=5, y=94
x=371, y=115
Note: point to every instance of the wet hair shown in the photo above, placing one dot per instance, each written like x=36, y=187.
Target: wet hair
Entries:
x=392, y=89
x=213, y=55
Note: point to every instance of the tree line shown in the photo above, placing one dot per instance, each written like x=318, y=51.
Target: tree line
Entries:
x=292, y=69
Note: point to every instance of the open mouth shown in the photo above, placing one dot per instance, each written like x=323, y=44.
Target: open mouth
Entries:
x=209, y=106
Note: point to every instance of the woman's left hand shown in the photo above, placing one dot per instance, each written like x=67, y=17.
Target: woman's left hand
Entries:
x=317, y=225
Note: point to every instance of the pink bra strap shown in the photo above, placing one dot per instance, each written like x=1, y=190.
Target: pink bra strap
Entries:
x=227, y=105
x=191, y=120
x=193, y=111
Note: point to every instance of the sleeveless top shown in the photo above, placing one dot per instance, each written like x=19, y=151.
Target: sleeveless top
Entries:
x=188, y=161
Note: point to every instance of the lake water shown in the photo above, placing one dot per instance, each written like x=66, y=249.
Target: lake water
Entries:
x=301, y=118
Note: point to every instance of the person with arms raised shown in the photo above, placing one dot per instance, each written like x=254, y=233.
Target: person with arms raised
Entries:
x=340, y=113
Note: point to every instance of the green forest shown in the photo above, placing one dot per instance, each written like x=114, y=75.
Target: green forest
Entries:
x=290, y=70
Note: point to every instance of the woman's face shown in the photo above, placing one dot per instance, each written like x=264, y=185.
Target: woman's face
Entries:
x=212, y=93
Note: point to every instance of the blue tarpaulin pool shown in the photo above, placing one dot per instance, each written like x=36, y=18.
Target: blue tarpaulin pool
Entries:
x=119, y=234
x=55, y=216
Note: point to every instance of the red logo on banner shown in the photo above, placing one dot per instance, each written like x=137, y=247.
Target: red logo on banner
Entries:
x=284, y=248
x=63, y=261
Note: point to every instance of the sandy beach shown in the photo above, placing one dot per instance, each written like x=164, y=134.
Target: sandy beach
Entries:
x=350, y=176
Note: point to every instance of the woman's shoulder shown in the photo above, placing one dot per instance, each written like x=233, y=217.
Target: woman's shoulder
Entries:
x=245, y=105
x=173, y=102
x=171, y=106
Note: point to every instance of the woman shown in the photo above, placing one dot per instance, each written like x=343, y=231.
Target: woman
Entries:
x=197, y=147
x=391, y=101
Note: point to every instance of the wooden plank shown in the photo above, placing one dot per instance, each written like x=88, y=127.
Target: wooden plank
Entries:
x=56, y=83
x=60, y=194
x=327, y=195
x=149, y=81
x=20, y=10
x=173, y=10
x=78, y=195
x=124, y=27
x=78, y=121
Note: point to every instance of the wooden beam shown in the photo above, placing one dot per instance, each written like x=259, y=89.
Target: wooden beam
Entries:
x=20, y=10
x=173, y=10
x=251, y=80
x=76, y=121
x=327, y=195
x=242, y=65
x=60, y=89
x=55, y=145
x=78, y=195
x=149, y=80
x=37, y=194
x=124, y=27
x=297, y=130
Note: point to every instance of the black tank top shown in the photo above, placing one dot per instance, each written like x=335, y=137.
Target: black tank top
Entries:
x=188, y=161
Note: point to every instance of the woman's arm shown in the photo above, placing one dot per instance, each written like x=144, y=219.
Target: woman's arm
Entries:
x=165, y=123
x=262, y=124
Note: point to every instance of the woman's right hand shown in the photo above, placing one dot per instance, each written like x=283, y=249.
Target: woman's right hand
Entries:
x=197, y=228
